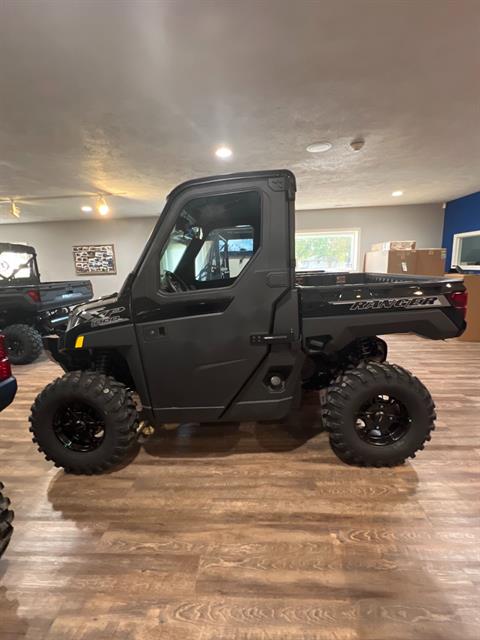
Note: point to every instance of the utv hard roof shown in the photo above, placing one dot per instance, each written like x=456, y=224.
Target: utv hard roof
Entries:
x=286, y=174
x=17, y=248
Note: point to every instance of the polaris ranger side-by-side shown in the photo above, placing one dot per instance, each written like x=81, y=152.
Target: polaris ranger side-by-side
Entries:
x=214, y=324
x=30, y=309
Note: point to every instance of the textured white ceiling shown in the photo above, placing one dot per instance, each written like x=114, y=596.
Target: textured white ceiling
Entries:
x=133, y=97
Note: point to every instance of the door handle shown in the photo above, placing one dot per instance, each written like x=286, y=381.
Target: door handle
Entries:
x=282, y=338
x=153, y=333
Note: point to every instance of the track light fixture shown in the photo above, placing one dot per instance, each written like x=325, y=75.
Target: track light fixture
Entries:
x=102, y=206
x=14, y=209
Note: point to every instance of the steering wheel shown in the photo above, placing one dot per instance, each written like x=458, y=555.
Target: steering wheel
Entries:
x=175, y=283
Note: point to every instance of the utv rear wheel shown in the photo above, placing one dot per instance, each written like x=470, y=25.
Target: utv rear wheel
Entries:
x=85, y=422
x=6, y=518
x=378, y=415
x=24, y=343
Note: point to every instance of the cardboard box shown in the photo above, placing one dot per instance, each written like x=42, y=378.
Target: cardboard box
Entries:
x=391, y=261
x=472, y=284
x=420, y=262
x=472, y=332
x=430, y=262
x=395, y=245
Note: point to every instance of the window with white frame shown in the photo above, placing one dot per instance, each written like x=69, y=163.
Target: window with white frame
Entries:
x=466, y=250
x=329, y=250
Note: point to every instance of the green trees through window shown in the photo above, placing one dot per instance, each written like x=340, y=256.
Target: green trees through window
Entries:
x=327, y=251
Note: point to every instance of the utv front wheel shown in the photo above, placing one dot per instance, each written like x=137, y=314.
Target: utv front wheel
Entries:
x=6, y=518
x=85, y=422
x=378, y=415
x=23, y=342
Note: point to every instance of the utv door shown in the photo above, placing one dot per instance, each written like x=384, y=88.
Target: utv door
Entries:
x=204, y=323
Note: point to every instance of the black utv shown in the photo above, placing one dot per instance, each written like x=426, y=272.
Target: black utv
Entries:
x=214, y=324
x=30, y=309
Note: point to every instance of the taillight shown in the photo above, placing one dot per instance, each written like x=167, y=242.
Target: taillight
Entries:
x=34, y=295
x=459, y=300
x=5, y=369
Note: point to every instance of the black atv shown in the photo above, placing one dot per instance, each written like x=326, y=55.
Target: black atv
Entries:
x=214, y=325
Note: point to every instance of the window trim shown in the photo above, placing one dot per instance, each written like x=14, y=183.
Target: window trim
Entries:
x=356, y=231
x=457, y=250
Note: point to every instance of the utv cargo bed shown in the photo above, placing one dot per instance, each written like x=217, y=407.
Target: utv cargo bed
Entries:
x=337, y=308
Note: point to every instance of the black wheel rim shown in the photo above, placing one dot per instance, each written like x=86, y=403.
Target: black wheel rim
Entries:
x=79, y=427
x=14, y=347
x=382, y=421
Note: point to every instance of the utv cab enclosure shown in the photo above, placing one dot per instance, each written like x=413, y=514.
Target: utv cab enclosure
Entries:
x=30, y=309
x=214, y=324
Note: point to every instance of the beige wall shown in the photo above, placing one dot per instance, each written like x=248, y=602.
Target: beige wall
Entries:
x=54, y=240
x=421, y=222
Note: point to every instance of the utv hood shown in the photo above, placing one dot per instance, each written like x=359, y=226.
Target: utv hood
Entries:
x=99, y=313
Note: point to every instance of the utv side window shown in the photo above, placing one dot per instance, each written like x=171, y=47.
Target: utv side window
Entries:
x=213, y=240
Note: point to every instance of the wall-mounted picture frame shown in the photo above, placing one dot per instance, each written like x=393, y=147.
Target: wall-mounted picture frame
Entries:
x=94, y=260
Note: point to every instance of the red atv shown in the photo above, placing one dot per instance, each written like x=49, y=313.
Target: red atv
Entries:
x=8, y=389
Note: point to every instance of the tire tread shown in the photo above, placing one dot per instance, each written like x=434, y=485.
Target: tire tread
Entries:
x=6, y=519
x=34, y=339
x=351, y=381
x=118, y=403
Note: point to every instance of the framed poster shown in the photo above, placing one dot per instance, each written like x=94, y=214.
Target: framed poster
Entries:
x=94, y=259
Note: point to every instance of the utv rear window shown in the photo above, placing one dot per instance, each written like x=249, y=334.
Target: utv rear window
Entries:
x=224, y=254
x=212, y=242
x=16, y=265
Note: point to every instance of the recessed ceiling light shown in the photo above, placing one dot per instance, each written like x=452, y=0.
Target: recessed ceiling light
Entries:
x=397, y=194
x=87, y=208
x=319, y=147
x=223, y=152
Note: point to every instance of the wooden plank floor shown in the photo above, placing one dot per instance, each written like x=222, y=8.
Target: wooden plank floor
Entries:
x=253, y=532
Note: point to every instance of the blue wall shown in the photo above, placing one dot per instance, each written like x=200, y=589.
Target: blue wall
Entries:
x=462, y=214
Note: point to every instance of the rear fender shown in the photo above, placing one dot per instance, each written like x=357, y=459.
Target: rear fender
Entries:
x=336, y=332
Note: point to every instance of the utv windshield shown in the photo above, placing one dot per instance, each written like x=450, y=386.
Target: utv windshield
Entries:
x=18, y=265
x=180, y=238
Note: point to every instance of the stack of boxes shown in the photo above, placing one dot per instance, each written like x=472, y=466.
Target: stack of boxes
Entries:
x=402, y=256
x=472, y=283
